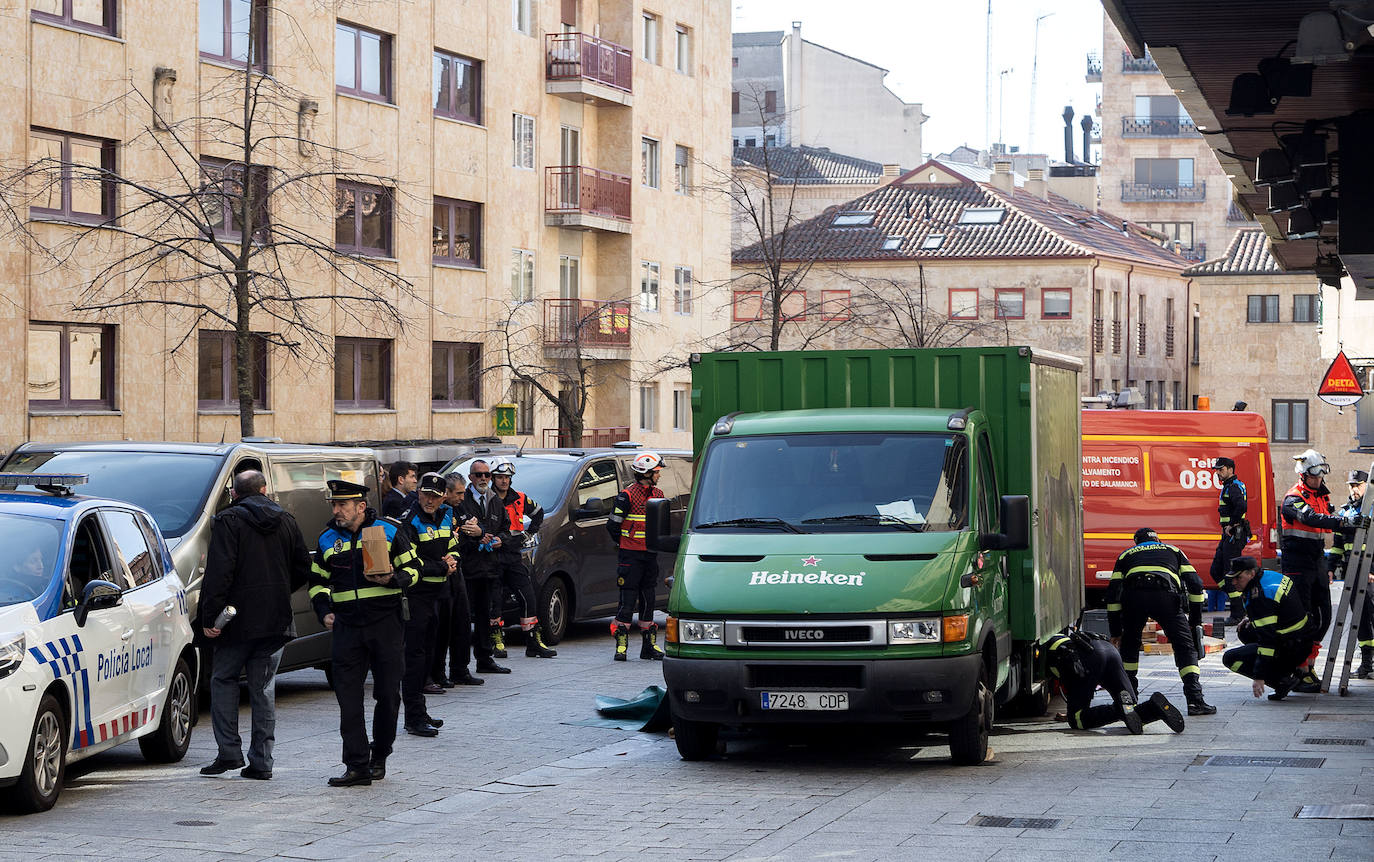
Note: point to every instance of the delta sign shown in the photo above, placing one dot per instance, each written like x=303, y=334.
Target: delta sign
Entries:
x=1340, y=387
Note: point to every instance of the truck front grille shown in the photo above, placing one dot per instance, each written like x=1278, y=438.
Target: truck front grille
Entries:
x=792, y=675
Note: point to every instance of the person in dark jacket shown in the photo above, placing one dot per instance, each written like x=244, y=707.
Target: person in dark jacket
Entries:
x=516, y=576
x=257, y=559
x=1081, y=663
x=485, y=527
x=1235, y=531
x=1278, y=634
x=404, y=478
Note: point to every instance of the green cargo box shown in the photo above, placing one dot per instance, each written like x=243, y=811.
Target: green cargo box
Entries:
x=1032, y=395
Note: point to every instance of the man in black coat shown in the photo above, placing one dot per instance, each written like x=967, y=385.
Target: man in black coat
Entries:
x=257, y=559
x=485, y=527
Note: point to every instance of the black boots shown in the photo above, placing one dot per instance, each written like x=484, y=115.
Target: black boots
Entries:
x=498, y=642
x=1134, y=723
x=1192, y=690
x=1366, y=668
x=649, y=649
x=1158, y=708
x=622, y=641
x=534, y=645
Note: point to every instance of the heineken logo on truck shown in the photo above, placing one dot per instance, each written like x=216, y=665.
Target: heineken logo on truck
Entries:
x=833, y=579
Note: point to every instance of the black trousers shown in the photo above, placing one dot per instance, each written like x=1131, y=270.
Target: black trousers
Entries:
x=1227, y=550
x=1314, y=588
x=636, y=574
x=420, y=631
x=1286, y=658
x=378, y=647
x=515, y=578
x=1163, y=606
x=479, y=599
x=1103, y=668
x=453, y=634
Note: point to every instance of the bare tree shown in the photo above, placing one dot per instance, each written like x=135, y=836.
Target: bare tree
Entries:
x=211, y=241
x=891, y=311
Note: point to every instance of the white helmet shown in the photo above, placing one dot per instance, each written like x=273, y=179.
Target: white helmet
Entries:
x=1311, y=463
x=503, y=468
x=646, y=463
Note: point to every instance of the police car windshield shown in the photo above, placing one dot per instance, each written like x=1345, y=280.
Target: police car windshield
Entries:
x=541, y=479
x=837, y=482
x=171, y=486
x=31, y=546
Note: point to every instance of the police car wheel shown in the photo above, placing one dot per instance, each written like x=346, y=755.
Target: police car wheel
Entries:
x=169, y=742
x=968, y=735
x=45, y=761
x=554, y=608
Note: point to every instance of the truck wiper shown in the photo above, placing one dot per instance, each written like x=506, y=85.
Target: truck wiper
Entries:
x=751, y=522
x=868, y=519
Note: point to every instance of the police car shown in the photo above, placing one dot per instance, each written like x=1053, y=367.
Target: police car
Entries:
x=95, y=640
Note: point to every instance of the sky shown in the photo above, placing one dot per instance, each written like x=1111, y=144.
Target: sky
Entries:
x=934, y=51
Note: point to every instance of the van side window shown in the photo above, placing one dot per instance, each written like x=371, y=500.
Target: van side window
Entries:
x=136, y=560
x=89, y=561
x=988, y=499
x=150, y=535
x=598, y=481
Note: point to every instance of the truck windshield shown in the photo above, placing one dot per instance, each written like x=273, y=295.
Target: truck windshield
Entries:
x=834, y=482
x=31, y=546
x=171, y=486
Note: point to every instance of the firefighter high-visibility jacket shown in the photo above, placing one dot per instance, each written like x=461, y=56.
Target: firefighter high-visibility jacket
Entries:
x=626, y=524
x=1306, y=520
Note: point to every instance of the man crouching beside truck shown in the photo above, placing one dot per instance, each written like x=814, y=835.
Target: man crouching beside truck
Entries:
x=1277, y=638
x=1081, y=662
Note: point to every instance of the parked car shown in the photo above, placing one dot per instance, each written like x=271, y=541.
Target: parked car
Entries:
x=183, y=485
x=95, y=636
x=573, y=557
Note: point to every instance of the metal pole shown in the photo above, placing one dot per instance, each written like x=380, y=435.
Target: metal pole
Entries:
x=1001, y=86
x=1035, y=65
x=987, y=83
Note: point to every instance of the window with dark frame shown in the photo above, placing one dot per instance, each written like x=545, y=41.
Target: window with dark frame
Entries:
x=1290, y=421
x=770, y=101
x=70, y=367
x=96, y=15
x=362, y=373
x=224, y=32
x=222, y=193
x=1009, y=303
x=217, y=370
x=456, y=375
x=1262, y=308
x=362, y=62
x=1307, y=308
x=457, y=232
x=74, y=176
x=1056, y=303
x=457, y=87
x=362, y=219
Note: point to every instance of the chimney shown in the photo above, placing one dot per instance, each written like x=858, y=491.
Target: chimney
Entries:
x=890, y=173
x=1001, y=175
x=1087, y=125
x=1068, y=135
x=1035, y=182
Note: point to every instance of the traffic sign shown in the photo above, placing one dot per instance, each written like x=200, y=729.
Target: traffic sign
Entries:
x=1340, y=386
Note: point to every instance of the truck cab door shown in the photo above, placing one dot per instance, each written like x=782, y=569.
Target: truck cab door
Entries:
x=995, y=588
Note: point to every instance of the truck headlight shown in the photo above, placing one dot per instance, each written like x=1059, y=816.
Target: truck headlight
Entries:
x=700, y=632
x=924, y=630
x=11, y=653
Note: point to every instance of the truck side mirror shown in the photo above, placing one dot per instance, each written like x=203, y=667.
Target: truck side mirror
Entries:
x=658, y=527
x=1015, y=535
x=96, y=596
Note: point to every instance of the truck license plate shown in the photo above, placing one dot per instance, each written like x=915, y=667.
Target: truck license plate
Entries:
x=817, y=700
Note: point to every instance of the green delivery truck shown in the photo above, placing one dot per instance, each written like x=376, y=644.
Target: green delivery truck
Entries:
x=873, y=536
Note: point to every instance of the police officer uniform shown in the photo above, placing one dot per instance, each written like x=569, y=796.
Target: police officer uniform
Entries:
x=1081, y=663
x=368, y=633
x=636, y=566
x=515, y=572
x=1235, y=532
x=1276, y=640
x=482, y=570
x=435, y=540
x=1342, y=550
x=1154, y=581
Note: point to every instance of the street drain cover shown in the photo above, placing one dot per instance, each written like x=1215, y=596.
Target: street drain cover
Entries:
x=195, y=823
x=1333, y=716
x=1334, y=740
x=1018, y=822
x=1271, y=762
x=1352, y=811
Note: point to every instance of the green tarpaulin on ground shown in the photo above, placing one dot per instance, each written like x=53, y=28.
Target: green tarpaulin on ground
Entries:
x=646, y=711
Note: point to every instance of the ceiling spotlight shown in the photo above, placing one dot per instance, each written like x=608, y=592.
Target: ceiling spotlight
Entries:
x=1259, y=93
x=1331, y=37
x=1250, y=96
x=1284, y=196
x=1325, y=209
x=1272, y=166
x=1301, y=225
x=1329, y=269
x=1305, y=149
x=1313, y=179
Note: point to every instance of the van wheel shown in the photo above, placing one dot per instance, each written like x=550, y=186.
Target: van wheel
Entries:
x=968, y=736
x=555, y=608
x=696, y=740
x=169, y=742
x=45, y=761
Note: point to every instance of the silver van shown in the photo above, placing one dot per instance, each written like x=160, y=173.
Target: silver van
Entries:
x=183, y=485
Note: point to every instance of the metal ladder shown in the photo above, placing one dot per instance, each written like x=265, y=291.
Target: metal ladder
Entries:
x=1351, y=609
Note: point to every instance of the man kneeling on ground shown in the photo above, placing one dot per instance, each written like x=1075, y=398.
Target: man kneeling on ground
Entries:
x=1081, y=662
x=1276, y=640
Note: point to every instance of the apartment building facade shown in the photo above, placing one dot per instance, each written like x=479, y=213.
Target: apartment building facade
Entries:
x=525, y=173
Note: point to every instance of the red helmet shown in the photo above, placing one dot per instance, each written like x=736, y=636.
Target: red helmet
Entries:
x=646, y=463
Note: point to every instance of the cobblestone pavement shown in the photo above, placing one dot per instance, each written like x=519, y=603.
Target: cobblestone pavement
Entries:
x=507, y=777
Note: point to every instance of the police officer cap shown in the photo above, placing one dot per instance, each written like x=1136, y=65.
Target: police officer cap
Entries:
x=1358, y=476
x=1145, y=534
x=1225, y=462
x=1243, y=564
x=343, y=490
x=433, y=483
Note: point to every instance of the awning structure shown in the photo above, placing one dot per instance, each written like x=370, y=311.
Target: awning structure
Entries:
x=1201, y=48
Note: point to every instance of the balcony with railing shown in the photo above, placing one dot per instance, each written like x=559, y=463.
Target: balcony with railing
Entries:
x=1094, y=72
x=1168, y=339
x=1098, y=339
x=593, y=438
x=1133, y=192
x=1116, y=336
x=580, y=197
x=1158, y=127
x=587, y=328
x=1137, y=66
x=587, y=69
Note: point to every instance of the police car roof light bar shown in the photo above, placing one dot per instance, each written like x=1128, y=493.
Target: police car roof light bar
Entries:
x=57, y=484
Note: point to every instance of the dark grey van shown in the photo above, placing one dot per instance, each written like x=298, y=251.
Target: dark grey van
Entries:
x=573, y=557
x=183, y=485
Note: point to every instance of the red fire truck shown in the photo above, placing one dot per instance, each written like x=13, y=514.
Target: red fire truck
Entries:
x=1153, y=468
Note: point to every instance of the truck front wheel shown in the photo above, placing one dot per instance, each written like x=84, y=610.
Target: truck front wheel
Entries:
x=696, y=740
x=968, y=735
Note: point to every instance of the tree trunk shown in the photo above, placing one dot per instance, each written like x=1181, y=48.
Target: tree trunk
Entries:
x=244, y=366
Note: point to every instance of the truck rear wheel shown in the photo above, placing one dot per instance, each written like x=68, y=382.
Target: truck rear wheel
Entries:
x=968, y=735
x=696, y=740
